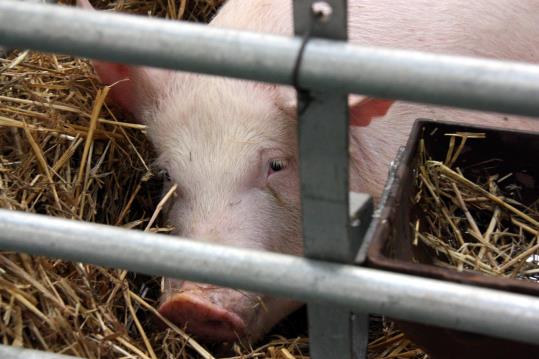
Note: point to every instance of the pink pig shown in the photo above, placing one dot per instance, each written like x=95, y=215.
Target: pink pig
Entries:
x=231, y=147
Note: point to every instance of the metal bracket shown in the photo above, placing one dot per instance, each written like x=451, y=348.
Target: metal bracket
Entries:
x=361, y=211
x=375, y=217
x=329, y=232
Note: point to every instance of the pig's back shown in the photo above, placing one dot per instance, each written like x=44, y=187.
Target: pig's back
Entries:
x=464, y=27
x=497, y=29
x=505, y=29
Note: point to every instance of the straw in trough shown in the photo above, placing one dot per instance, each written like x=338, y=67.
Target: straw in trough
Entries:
x=474, y=218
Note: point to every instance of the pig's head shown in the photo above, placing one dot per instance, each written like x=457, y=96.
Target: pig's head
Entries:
x=230, y=147
x=231, y=151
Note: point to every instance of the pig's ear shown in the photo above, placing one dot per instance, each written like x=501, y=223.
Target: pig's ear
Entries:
x=132, y=87
x=362, y=110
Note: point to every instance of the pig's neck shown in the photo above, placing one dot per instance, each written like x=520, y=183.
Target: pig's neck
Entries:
x=370, y=156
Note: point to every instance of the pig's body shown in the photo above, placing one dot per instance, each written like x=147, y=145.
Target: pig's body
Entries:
x=502, y=29
x=231, y=145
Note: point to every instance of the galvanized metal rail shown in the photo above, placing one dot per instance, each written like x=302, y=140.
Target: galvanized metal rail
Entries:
x=360, y=289
x=327, y=65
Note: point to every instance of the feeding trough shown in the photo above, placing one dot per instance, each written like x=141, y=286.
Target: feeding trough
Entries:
x=462, y=207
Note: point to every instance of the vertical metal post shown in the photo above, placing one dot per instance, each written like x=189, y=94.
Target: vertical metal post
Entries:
x=323, y=146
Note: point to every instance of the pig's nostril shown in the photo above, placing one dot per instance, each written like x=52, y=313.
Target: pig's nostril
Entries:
x=202, y=318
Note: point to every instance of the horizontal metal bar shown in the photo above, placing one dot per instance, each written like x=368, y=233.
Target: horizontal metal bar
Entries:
x=330, y=65
x=400, y=296
x=8, y=352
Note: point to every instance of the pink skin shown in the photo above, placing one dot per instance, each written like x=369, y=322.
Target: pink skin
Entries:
x=218, y=138
x=197, y=307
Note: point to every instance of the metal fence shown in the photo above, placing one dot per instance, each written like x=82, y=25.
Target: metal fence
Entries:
x=333, y=69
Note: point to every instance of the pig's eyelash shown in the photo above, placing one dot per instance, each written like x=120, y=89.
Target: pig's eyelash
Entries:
x=277, y=165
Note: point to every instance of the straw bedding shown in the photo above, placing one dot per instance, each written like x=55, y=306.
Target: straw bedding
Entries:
x=67, y=152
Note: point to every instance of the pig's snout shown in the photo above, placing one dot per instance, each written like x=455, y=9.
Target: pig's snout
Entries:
x=202, y=318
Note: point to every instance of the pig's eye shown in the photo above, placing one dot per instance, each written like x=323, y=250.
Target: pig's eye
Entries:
x=164, y=174
x=277, y=165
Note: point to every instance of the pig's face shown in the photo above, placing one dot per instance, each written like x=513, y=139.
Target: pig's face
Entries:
x=230, y=147
x=231, y=150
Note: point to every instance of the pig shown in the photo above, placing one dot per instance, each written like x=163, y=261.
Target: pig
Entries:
x=231, y=147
